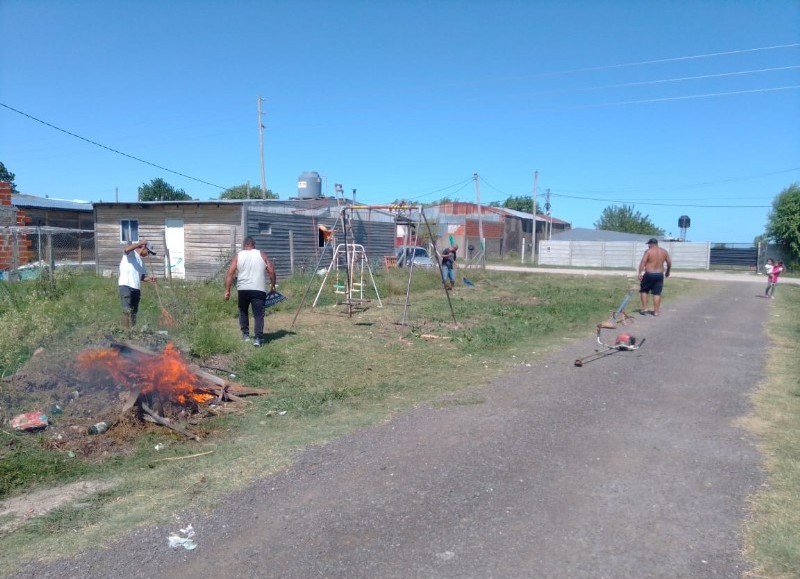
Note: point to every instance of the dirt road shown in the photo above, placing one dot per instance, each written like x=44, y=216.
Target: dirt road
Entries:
x=631, y=466
x=699, y=274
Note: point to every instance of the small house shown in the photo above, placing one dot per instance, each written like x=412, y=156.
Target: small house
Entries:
x=195, y=240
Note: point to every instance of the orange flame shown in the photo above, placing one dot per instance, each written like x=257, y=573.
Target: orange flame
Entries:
x=166, y=374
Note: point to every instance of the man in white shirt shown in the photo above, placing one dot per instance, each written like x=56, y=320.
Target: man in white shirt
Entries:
x=132, y=272
x=251, y=267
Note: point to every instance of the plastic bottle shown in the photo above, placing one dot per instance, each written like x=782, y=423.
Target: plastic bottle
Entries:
x=98, y=428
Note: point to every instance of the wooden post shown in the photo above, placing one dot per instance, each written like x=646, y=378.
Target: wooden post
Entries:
x=291, y=251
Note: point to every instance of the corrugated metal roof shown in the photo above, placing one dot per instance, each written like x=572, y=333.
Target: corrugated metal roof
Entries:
x=47, y=203
x=468, y=208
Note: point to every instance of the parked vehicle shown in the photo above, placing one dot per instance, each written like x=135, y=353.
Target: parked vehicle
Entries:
x=419, y=255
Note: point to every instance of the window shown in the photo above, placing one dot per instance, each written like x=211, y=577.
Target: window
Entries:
x=265, y=229
x=129, y=230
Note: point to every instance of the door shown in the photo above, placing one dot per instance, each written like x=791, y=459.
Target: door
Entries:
x=174, y=253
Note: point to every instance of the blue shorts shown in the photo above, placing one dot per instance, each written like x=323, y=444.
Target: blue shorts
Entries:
x=652, y=283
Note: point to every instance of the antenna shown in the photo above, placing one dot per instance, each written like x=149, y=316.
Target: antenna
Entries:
x=261, y=147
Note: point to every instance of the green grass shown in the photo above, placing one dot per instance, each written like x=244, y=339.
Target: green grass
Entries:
x=332, y=374
x=773, y=533
x=25, y=462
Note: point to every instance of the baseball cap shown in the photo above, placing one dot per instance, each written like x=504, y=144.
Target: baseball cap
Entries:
x=652, y=241
x=149, y=247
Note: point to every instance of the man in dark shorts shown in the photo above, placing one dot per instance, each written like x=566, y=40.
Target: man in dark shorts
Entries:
x=653, y=268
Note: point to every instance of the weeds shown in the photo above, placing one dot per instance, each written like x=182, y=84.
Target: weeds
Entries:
x=24, y=462
x=774, y=532
x=327, y=375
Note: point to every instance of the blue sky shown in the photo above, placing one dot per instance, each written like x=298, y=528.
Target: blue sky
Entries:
x=676, y=107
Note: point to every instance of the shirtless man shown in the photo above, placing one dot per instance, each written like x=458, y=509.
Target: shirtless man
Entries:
x=652, y=274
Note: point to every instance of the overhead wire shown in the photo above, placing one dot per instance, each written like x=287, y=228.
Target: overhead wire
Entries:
x=662, y=60
x=110, y=148
x=687, y=97
x=460, y=185
x=665, y=80
x=630, y=202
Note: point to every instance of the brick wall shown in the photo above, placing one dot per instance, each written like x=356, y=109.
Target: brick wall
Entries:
x=24, y=250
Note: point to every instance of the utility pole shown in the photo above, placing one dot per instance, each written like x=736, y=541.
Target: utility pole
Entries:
x=481, y=242
x=261, y=147
x=535, y=190
x=549, y=218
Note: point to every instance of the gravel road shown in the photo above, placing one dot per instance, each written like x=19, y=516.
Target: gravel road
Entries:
x=631, y=466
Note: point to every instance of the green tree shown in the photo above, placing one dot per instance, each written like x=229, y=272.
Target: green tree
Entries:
x=783, y=226
x=8, y=177
x=441, y=201
x=247, y=192
x=625, y=219
x=518, y=203
x=160, y=190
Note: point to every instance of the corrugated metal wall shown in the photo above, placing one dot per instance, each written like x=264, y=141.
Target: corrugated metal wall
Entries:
x=619, y=254
x=287, y=230
x=292, y=240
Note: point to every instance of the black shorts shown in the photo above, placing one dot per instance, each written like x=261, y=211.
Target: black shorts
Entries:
x=652, y=283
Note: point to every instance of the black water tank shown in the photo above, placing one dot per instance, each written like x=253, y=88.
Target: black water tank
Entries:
x=684, y=222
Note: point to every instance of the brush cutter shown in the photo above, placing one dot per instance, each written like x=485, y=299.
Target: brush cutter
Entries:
x=623, y=342
x=619, y=316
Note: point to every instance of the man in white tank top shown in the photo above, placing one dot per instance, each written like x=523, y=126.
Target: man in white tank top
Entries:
x=251, y=267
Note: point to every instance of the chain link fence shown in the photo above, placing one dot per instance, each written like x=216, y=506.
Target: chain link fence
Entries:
x=29, y=252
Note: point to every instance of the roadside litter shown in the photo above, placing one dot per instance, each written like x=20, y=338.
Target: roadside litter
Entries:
x=175, y=539
x=30, y=421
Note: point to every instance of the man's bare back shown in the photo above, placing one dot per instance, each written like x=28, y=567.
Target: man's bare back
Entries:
x=654, y=259
x=652, y=273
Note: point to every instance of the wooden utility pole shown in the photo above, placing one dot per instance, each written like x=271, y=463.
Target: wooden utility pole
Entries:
x=261, y=147
x=535, y=190
x=481, y=241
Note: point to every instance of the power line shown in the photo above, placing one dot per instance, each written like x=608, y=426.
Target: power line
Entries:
x=661, y=60
x=622, y=65
x=691, y=185
x=664, y=81
x=109, y=148
x=492, y=186
x=690, y=97
x=460, y=185
x=629, y=202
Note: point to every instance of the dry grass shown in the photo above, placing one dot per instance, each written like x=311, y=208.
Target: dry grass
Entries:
x=773, y=532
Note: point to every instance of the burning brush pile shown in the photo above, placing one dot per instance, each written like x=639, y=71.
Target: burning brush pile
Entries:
x=160, y=388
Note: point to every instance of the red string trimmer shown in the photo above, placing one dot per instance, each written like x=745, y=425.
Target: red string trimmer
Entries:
x=623, y=342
